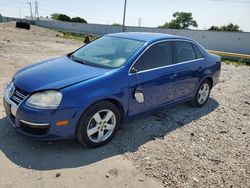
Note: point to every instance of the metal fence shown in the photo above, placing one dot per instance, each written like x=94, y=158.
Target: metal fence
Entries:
x=10, y=19
x=236, y=42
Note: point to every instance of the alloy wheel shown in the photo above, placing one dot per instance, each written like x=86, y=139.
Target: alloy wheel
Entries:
x=101, y=126
x=203, y=93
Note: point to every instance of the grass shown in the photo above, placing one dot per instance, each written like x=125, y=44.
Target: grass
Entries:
x=231, y=58
x=76, y=36
x=234, y=62
x=73, y=36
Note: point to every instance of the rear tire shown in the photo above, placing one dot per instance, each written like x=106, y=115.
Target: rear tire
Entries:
x=202, y=94
x=98, y=124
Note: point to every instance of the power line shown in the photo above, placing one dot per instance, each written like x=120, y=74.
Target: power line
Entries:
x=139, y=22
x=20, y=14
x=31, y=14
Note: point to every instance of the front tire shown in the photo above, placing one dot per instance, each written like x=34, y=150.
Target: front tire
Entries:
x=98, y=124
x=202, y=94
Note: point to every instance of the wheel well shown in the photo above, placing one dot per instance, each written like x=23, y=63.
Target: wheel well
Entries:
x=113, y=101
x=210, y=81
x=118, y=105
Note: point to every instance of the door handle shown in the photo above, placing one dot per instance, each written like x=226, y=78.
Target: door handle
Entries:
x=172, y=76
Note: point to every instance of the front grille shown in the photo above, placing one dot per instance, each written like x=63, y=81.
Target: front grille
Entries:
x=18, y=96
x=32, y=129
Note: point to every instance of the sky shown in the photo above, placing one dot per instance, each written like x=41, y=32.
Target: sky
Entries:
x=152, y=13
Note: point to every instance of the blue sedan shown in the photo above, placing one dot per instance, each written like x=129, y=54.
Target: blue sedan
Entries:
x=89, y=92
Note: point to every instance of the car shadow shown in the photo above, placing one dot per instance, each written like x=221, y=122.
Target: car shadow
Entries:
x=38, y=155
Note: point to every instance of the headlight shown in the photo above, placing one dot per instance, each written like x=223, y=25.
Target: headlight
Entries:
x=45, y=100
x=9, y=87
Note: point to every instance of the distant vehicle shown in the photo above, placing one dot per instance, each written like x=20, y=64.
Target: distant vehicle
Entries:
x=23, y=25
x=88, y=93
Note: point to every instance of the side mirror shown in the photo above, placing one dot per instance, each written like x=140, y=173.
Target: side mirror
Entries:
x=133, y=70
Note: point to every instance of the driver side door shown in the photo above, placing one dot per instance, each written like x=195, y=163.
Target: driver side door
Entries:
x=154, y=75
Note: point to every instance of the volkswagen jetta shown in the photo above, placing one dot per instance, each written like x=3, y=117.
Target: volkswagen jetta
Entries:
x=89, y=92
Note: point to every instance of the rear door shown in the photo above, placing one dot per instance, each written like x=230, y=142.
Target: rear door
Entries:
x=154, y=76
x=189, y=63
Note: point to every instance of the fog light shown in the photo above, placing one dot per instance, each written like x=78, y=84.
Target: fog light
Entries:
x=62, y=123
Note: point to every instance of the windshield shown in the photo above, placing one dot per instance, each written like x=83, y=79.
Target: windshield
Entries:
x=111, y=52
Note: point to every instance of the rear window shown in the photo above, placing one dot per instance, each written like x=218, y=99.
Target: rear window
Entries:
x=184, y=51
x=197, y=52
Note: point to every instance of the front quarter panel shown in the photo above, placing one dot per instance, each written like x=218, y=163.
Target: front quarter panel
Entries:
x=113, y=85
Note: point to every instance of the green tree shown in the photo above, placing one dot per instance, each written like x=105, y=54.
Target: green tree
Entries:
x=182, y=20
x=116, y=24
x=66, y=18
x=229, y=27
x=78, y=20
x=63, y=17
x=214, y=28
x=55, y=16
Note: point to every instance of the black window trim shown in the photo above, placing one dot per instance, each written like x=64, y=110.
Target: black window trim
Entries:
x=173, y=56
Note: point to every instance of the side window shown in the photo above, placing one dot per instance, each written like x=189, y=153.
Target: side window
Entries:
x=184, y=51
x=197, y=52
x=156, y=56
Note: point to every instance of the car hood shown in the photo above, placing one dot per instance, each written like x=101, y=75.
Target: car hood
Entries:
x=55, y=74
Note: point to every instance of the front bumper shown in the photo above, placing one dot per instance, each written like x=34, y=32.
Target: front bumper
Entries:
x=41, y=124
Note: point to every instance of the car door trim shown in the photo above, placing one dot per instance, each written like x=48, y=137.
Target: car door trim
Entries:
x=166, y=40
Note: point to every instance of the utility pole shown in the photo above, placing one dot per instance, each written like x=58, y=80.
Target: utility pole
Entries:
x=36, y=10
x=139, y=22
x=19, y=9
x=124, y=16
x=31, y=14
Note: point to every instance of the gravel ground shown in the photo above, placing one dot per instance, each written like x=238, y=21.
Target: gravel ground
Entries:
x=178, y=147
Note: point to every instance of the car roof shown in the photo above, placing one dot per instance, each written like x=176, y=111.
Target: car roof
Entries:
x=146, y=36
